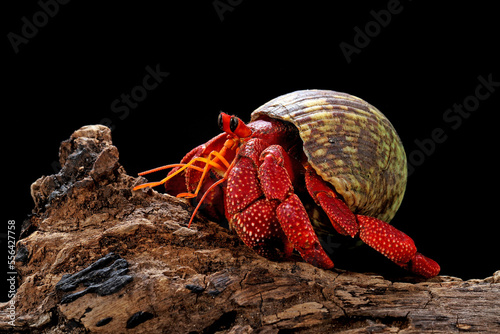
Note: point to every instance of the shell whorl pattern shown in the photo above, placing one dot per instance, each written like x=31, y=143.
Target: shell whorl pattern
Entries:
x=350, y=144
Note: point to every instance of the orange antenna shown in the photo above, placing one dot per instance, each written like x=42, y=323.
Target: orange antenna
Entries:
x=224, y=178
x=203, y=198
x=157, y=169
x=215, y=159
x=155, y=184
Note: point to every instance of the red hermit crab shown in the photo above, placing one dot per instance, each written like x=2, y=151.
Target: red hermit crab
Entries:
x=331, y=147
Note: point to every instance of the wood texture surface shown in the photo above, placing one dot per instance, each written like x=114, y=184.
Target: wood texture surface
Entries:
x=127, y=263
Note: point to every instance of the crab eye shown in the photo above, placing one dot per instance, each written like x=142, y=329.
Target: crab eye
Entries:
x=233, y=126
x=233, y=123
x=220, y=122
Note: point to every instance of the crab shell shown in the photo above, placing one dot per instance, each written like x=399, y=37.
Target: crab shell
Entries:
x=350, y=144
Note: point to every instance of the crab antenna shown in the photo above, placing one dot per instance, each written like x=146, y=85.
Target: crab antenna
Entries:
x=212, y=160
x=154, y=184
x=207, y=168
x=224, y=178
x=203, y=198
x=157, y=169
x=208, y=164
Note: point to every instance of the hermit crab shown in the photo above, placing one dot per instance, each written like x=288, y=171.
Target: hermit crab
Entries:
x=331, y=150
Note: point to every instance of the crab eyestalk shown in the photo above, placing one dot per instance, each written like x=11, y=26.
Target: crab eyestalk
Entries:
x=233, y=126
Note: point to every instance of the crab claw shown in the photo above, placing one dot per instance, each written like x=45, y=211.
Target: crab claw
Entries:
x=297, y=227
x=265, y=212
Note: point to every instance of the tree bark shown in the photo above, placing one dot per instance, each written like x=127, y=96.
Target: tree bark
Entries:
x=97, y=257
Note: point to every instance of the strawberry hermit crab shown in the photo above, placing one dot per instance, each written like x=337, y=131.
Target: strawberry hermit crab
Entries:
x=331, y=147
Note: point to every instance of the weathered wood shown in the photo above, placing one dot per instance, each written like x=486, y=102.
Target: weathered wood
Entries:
x=171, y=279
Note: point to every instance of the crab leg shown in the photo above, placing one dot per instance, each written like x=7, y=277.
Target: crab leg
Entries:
x=341, y=217
x=381, y=236
x=395, y=245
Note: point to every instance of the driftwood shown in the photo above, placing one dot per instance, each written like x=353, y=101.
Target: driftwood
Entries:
x=97, y=257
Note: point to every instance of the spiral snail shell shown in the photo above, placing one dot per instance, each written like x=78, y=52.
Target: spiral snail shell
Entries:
x=350, y=144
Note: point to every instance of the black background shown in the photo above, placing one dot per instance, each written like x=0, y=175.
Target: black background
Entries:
x=424, y=61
